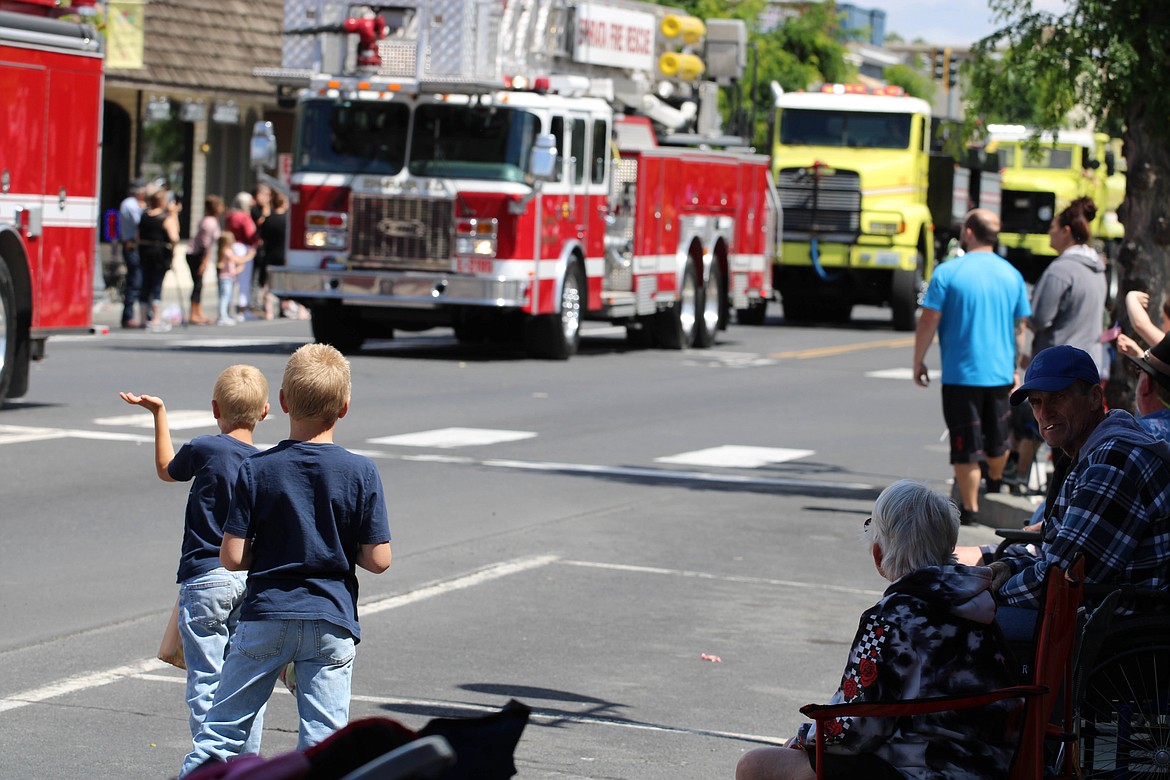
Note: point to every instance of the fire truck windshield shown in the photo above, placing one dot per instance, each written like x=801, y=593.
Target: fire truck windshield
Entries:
x=472, y=142
x=352, y=137
x=1047, y=158
x=863, y=130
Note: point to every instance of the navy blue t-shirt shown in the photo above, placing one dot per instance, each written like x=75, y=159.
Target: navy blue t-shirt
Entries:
x=308, y=509
x=212, y=462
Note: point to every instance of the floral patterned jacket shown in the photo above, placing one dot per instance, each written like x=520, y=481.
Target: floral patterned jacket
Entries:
x=932, y=634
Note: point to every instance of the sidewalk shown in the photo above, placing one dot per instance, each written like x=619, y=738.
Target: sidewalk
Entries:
x=176, y=292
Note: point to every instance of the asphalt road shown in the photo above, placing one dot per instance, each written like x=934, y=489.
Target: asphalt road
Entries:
x=659, y=552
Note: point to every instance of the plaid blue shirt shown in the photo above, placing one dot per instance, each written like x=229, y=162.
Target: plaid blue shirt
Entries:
x=1114, y=507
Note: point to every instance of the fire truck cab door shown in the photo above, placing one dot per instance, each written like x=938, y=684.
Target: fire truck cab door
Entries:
x=583, y=138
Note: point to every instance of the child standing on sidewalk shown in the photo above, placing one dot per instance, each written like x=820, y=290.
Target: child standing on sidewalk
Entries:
x=304, y=515
x=228, y=266
x=209, y=595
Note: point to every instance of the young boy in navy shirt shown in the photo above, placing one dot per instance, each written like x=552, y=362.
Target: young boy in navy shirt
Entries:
x=209, y=594
x=304, y=515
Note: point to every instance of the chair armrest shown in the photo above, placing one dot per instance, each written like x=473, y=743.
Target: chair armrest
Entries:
x=1019, y=535
x=899, y=709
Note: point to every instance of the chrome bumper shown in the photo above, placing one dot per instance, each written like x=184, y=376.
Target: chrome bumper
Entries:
x=403, y=289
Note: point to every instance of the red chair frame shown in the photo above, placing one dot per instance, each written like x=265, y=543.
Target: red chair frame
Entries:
x=1051, y=674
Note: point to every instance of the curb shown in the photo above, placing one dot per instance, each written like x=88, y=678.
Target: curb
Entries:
x=1003, y=510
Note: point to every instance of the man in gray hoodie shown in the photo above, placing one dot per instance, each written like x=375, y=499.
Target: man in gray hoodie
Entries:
x=1114, y=505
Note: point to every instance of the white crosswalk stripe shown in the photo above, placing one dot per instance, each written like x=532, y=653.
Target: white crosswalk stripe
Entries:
x=448, y=438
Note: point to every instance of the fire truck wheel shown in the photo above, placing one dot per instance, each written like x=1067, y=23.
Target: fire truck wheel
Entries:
x=557, y=336
x=677, y=325
x=905, y=289
x=331, y=326
x=8, y=331
x=711, y=305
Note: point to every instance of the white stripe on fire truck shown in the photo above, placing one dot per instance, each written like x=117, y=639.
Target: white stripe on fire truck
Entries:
x=78, y=212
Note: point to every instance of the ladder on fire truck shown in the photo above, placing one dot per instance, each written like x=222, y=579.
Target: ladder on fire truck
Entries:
x=449, y=45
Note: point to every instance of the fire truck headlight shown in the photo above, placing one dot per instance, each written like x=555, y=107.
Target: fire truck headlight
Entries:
x=476, y=237
x=325, y=239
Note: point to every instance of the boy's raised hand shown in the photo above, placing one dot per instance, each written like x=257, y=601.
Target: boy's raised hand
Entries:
x=149, y=402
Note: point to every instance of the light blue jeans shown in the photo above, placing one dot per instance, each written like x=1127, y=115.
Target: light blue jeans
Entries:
x=225, y=297
x=323, y=654
x=209, y=610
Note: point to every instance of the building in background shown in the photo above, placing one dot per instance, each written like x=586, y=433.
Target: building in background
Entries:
x=187, y=113
x=868, y=23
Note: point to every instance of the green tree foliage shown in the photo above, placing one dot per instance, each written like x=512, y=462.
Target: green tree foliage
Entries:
x=806, y=50
x=911, y=78
x=1108, y=58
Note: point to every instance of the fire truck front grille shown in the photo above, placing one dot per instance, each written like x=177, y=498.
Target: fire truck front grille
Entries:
x=820, y=203
x=1026, y=212
x=401, y=232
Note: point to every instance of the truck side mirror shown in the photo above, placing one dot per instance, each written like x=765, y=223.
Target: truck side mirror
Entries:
x=1088, y=161
x=1110, y=162
x=262, y=150
x=543, y=162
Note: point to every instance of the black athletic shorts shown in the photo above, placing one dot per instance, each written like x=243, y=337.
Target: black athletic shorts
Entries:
x=865, y=765
x=1024, y=423
x=979, y=421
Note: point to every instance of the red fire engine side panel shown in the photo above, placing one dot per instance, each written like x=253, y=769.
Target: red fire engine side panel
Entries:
x=71, y=169
x=49, y=146
x=751, y=218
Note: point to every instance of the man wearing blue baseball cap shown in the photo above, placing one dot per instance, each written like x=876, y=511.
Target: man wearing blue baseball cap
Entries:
x=1114, y=504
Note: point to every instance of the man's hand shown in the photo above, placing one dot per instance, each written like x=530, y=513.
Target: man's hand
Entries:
x=921, y=375
x=1000, y=573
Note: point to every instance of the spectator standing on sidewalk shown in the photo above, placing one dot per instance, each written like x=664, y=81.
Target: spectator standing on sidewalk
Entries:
x=272, y=240
x=129, y=214
x=1068, y=302
x=240, y=224
x=158, y=232
x=977, y=303
x=202, y=247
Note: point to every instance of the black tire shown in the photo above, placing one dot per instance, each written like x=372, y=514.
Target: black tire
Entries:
x=1125, y=715
x=710, y=309
x=557, y=336
x=676, y=326
x=9, y=331
x=755, y=314
x=331, y=326
x=906, y=289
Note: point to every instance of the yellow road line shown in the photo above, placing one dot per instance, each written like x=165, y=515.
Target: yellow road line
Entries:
x=843, y=349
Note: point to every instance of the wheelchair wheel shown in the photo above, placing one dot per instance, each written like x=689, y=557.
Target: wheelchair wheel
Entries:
x=1125, y=714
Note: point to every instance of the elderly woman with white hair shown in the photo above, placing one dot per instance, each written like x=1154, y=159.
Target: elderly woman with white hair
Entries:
x=933, y=633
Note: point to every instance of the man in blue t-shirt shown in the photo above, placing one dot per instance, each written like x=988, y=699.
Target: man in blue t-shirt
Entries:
x=978, y=304
x=303, y=516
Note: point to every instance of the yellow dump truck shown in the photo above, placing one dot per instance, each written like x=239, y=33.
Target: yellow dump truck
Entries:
x=865, y=201
x=1043, y=176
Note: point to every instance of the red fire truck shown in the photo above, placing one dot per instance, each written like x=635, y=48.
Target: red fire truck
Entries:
x=50, y=141
x=512, y=168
